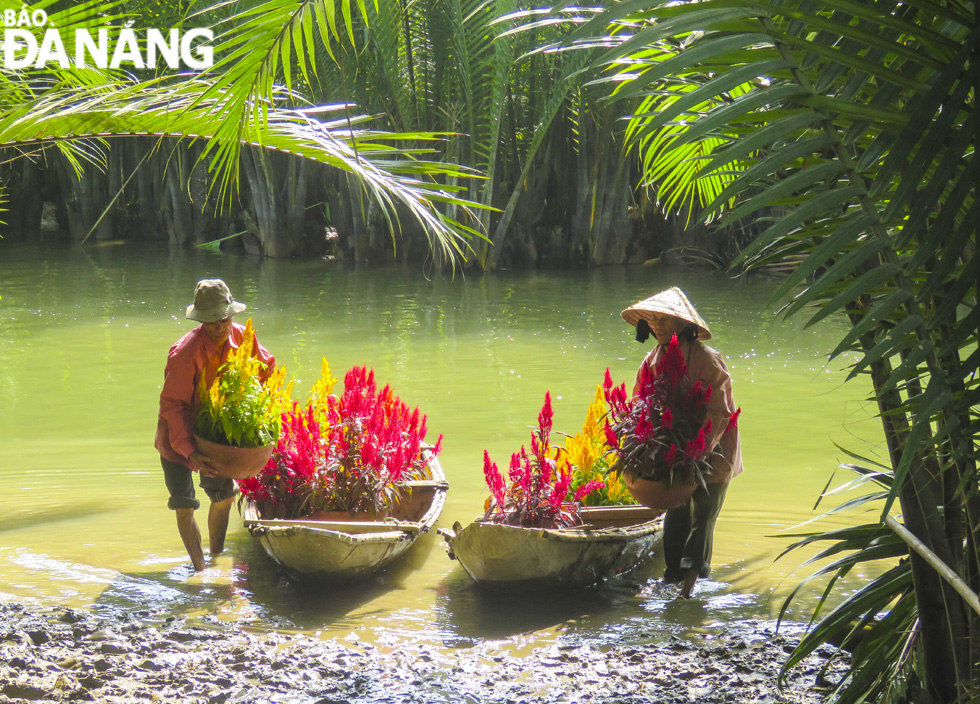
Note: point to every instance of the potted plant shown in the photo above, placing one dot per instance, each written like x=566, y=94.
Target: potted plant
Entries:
x=658, y=437
x=343, y=458
x=238, y=420
x=537, y=495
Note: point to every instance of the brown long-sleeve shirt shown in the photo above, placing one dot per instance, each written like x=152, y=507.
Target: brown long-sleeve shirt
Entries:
x=706, y=365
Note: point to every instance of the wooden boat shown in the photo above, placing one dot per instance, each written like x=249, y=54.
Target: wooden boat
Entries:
x=349, y=550
x=612, y=539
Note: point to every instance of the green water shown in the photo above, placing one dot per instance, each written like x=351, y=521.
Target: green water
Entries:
x=83, y=341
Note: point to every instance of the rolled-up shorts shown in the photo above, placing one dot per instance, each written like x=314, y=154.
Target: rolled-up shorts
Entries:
x=180, y=483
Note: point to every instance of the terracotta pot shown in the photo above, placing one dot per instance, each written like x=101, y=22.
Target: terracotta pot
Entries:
x=658, y=495
x=234, y=462
x=345, y=516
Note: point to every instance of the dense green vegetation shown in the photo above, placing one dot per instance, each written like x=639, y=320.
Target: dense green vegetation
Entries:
x=853, y=126
x=555, y=186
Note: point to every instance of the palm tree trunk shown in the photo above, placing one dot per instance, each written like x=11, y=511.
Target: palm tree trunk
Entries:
x=941, y=618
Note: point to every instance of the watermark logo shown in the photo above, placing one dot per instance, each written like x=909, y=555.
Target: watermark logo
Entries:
x=21, y=49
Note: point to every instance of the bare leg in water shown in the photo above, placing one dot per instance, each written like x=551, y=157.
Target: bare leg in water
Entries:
x=218, y=525
x=191, y=535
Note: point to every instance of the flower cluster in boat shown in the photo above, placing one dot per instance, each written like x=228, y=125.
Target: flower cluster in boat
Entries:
x=537, y=494
x=589, y=455
x=349, y=454
x=660, y=434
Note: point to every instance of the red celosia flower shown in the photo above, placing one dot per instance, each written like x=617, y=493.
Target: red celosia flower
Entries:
x=696, y=446
x=587, y=489
x=494, y=480
x=733, y=421
x=610, y=436
x=672, y=367
x=539, y=482
x=560, y=489
x=514, y=471
x=667, y=419
x=545, y=418
x=373, y=442
x=695, y=392
x=644, y=428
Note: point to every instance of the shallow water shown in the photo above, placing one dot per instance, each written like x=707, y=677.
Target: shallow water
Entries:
x=83, y=341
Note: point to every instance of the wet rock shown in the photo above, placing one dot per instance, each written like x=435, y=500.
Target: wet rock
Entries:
x=38, y=637
x=150, y=665
x=16, y=690
x=80, y=631
x=114, y=649
x=19, y=663
x=20, y=637
x=70, y=616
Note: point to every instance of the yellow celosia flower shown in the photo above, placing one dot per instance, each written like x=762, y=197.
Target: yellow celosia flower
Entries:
x=322, y=389
x=323, y=386
x=240, y=406
x=588, y=453
x=215, y=396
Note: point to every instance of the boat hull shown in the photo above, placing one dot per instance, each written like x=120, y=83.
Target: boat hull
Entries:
x=614, y=540
x=341, y=551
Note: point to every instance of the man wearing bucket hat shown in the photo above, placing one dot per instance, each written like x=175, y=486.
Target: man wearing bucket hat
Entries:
x=689, y=529
x=199, y=352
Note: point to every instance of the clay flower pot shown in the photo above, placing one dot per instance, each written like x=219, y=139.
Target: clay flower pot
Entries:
x=659, y=495
x=234, y=462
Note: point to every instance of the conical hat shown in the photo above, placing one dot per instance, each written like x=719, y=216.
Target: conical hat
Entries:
x=671, y=302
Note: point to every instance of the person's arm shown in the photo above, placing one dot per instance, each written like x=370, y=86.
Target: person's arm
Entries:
x=177, y=409
x=721, y=405
x=264, y=356
x=176, y=402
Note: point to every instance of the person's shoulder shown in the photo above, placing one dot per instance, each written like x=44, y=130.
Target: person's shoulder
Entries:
x=186, y=343
x=710, y=353
x=237, y=333
x=706, y=349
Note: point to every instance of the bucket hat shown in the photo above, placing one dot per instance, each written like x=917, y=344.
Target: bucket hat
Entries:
x=213, y=302
x=671, y=302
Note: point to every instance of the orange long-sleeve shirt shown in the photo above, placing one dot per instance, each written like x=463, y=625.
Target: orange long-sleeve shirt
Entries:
x=192, y=355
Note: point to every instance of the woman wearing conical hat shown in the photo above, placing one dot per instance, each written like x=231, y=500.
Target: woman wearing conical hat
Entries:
x=689, y=529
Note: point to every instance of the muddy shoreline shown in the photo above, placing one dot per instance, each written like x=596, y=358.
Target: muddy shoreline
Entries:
x=62, y=654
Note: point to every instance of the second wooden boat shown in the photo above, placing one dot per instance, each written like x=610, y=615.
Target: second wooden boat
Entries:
x=612, y=540
x=350, y=550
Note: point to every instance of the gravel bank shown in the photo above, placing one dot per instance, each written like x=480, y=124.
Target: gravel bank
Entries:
x=72, y=655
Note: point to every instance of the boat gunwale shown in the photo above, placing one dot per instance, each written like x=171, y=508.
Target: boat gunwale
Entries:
x=584, y=532
x=580, y=534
